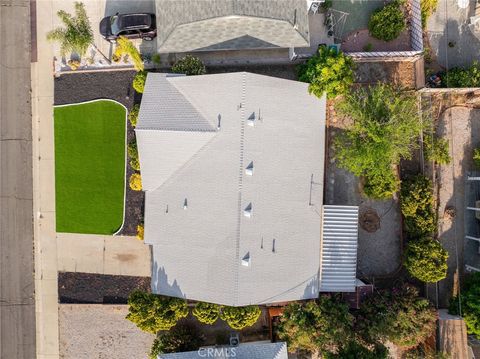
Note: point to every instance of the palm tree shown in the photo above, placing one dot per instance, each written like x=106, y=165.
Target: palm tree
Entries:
x=77, y=34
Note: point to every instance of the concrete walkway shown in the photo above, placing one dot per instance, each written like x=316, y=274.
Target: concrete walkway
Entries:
x=103, y=254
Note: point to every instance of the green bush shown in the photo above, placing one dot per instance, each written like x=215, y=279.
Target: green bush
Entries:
x=139, y=81
x=418, y=207
x=385, y=130
x=132, y=149
x=426, y=260
x=460, y=77
x=152, y=313
x=427, y=7
x=476, y=157
x=133, y=115
x=328, y=71
x=181, y=338
x=240, y=317
x=135, y=164
x=470, y=304
x=398, y=315
x=316, y=326
x=436, y=149
x=381, y=185
x=189, y=65
x=156, y=59
x=354, y=350
x=135, y=182
x=388, y=22
x=207, y=313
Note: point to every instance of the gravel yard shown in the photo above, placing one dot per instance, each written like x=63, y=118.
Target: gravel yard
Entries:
x=99, y=331
x=115, y=85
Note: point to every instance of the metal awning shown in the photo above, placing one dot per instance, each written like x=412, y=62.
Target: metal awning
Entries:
x=339, y=248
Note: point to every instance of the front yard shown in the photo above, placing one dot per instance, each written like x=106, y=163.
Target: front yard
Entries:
x=90, y=167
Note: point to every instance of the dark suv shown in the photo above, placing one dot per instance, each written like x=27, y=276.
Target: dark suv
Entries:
x=132, y=26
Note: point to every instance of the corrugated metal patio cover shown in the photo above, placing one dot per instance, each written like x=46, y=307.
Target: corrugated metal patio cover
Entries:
x=339, y=248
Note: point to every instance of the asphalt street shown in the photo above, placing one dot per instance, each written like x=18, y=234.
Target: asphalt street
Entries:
x=17, y=304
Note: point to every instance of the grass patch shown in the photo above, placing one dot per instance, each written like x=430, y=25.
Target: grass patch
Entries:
x=90, y=167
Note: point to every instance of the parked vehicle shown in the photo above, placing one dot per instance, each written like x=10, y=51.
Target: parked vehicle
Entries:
x=132, y=26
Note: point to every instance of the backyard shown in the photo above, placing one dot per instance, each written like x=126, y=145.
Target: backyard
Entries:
x=90, y=167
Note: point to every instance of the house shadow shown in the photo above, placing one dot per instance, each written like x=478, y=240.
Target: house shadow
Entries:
x=161, y=284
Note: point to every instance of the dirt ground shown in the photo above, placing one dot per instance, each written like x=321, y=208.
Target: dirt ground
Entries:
x=379, y=251
x=461, y=126
x=100, y=331
x=357, y=41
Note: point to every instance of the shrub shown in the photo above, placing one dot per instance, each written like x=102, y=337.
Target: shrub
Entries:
x=397, y=315
x=316, y=326
x=140, y=232
x=135, y=164
x=328, y=71
x=132, y=149
x=470, y=304
x=428, y=7
x=189, y=65
x=152, y=313
x=136, y=182
x=240, y=317
x=436, y=149
x=381, y=186
x=460, y=77
x=476, y=157
x=77, y=34
x=385, y=130
x=127, y=48
x=156, y=59
x=418, y=207
x=133, y=115
x=355, y=350
x=139, y=81
x=426, y=260
x=207, y=313
x=181, y=338
x=388, y=22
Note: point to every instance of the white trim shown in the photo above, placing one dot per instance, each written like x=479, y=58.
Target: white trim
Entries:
x=126, y=155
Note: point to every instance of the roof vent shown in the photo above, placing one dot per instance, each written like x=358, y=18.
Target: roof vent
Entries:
x=185, y=204
x=249, y=169
x=247, y=212
x=219, y=121
x=246, y=260
x=251, y=119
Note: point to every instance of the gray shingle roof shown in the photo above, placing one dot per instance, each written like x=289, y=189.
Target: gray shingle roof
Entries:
x=184, y=25
x=198, y=250
x=243, y=351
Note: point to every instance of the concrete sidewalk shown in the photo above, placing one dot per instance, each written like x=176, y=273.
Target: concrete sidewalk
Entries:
x=117, y=255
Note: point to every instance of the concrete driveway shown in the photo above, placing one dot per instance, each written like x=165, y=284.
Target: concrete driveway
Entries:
x=451, y=40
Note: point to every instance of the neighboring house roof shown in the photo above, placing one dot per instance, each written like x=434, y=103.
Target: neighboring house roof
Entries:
x=243, y=351
x=185, y=25
x=339, y=248
x=233, y=214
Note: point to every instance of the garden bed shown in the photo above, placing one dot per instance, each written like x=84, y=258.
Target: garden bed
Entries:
x=115, y=85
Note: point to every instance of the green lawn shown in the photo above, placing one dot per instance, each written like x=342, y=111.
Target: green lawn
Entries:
x=90, y=167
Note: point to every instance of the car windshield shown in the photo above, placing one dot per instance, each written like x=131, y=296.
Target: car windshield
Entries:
x=114, y=25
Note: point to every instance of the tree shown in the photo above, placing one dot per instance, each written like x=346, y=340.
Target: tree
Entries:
x=139, y=81
x=316, y=326
x=126, y=47
x=240, y=317
x=76, y=35
x=398, y=315
x=181, y=338
x=328, y=71
x=388, y=22
x=354, y=350
x=426, y=260
x=418, y=207
x=470, y=304
x=206, y=313
x=152, y=313
x=189, y=65
x=385, y=129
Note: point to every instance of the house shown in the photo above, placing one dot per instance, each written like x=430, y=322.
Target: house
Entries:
x=232, y=168
x=186, y=26
x=254, y=350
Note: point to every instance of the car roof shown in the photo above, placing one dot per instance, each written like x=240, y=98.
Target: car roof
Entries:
x=135, y=21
